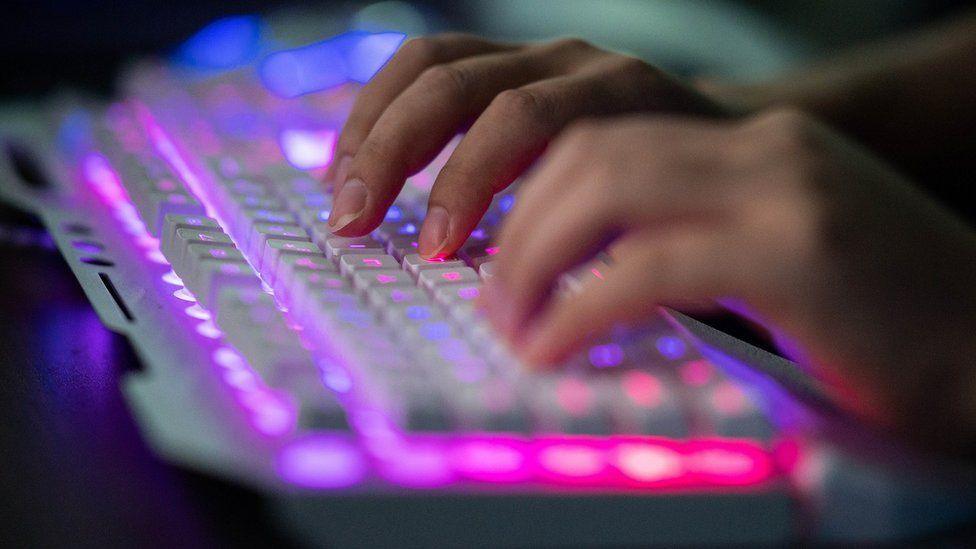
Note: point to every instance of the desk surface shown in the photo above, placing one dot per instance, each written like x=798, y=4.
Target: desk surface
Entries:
x=74, y=469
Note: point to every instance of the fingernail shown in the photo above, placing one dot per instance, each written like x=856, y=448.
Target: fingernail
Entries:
x=342, y=169
x=433, y=234
x=349, y=205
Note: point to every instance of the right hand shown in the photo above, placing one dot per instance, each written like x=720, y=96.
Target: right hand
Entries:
x=515, y=97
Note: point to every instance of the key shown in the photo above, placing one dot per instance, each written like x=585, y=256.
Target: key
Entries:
x=274, y=249
x=476, y=254
x=350, y=263
x=382, y=296
x=162, y=204
x=311, y=217
x=213, y=276
x=410, y=313
x=337, y=246
x=402, y=246
x=261, y=232
x=255, y=202
x=493, y=406
x=648, y=404
x=246, y=187
x=413, y=264
x=387, y=231
x=310, y=286
x=734, y=414
x=364, y=279
x=196, y=254
x=186, y=236
x=288, y=265
x=569, y=404
x=172, y=222
x=448, y=295
x=261, y=215
x=318, y=407
x=431, y=278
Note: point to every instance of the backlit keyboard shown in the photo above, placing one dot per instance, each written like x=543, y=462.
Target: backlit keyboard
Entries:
x=282, y=355
x=358, y=389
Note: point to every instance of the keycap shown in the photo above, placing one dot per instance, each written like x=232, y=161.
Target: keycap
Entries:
x=364, y=279
x=566, y=403
x=402, y=246
x=288, y=265
x=383, y=296
x=648, y=404
x=350, y=263
x=213, y=276
x=413, y=264
x=311, y=217
x=318, y=407
x=733, y=413
x=257, y=202
x=172, y=222
x=449, y=295
x=309, y=286
x=415, y=314
x=493, y=406
x=390, y=230
x=274, y=249
x=337, y=246
x=185, y=237
x=197, y=252
x=476, y=254
x=261, y=215
x=162, y=204
x=261, y=232
x=431, y=278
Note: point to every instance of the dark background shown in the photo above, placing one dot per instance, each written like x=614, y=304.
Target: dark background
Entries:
x=49, y=43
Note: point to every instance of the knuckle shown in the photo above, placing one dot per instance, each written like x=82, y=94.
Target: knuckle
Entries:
x=375, y=148
x=580, y=135
x=423, y=50
x=445, y=79
x=571, y=43
x=631, y=67
x=790, y=129
x=523, y=103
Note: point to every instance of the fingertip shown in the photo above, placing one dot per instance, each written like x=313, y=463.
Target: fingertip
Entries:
x=435, y=233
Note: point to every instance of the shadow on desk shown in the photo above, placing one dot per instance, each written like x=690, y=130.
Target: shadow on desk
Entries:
x=74, y=470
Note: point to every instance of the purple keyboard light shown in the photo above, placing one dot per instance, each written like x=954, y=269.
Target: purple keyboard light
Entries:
x=363, y=363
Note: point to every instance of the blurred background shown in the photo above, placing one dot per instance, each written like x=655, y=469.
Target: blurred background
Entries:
x=49, y=44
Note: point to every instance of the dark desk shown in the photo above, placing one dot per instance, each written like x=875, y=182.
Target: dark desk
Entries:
x=74, y=470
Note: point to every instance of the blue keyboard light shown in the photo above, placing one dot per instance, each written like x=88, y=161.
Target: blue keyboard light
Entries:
x=353, y=56
x=223, y=44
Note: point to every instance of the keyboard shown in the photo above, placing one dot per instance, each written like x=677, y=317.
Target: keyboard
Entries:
x=358, y=388
x=343, y=372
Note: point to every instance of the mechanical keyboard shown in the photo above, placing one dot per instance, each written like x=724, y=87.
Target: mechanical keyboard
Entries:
x=356, y=384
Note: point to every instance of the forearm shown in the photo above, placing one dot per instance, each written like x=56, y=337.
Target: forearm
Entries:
x=910, y=99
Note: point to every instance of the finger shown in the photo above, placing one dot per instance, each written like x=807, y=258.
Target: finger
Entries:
x=597, y=206
x=417, y=125
x=694, y=264
x=515, y=128
x=403, y=68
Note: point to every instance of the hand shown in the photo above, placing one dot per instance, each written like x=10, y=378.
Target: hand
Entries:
x=873, y=283
x=515, y=97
